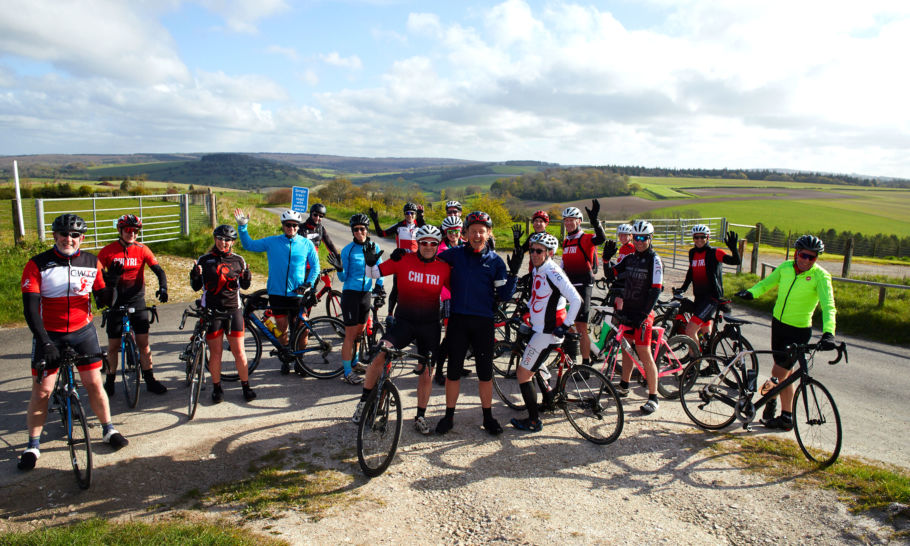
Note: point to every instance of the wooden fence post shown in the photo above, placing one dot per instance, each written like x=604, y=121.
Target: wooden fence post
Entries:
x=789, y=235
x=755, y=244
x=742, y=252
x=213, y=210
x=17, y=229
x=848, y=258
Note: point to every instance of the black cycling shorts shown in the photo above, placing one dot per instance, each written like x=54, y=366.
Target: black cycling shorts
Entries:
x=84, y=341
x=585, y=291
x=704, y=310
x=232, y=325
x=355, y=307
x=425, y=334
x=466, y=331
x=284, y=305
x=139, y=321
x=783, y=335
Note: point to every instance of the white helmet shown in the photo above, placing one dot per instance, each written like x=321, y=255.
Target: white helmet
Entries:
x=545, y=239
x=701, y=228
x=429, y=231
x=624, y=229
x=453, y=205
x=642, y=227
x=451, y=222
x=291, y=216
x=572, y=212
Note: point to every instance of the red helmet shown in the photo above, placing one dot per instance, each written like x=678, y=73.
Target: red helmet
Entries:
x=541, y=214
x=129, y=220
x=478, y=217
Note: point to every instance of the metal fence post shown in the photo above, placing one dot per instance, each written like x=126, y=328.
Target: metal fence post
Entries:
x=755, y=244
x=676, y=239
x=184, y=215
x=140, y=217
x=39, y=211
x=17, y=227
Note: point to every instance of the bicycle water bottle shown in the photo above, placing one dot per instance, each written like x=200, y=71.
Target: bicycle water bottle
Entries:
x=606, y=330
x=768, y=385
x=369, y=326
x=751, y=378
x=271, y=324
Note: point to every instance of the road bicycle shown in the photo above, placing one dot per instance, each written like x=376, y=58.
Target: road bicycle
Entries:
x=587, y=398
x=333, y=297
x=367, y=343
x=379, y=429
x=130, y=364
x=196, y=352
x=670, y=355
x=714, y=399
x=65, y=399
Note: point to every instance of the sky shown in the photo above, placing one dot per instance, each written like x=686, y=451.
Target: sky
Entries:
x=811, y=85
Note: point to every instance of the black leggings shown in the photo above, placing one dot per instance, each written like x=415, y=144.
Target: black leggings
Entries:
x=477, y=332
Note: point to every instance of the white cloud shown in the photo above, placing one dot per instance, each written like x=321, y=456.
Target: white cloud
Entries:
x=243, y=15
x=310, y=77
x=288, y=52
x=353, y=62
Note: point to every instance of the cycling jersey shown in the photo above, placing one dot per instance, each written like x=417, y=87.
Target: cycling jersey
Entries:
x=549, y=291
x=644, y=281
x=353, y=274
x=619, y=284
x=798, y=294
x=446, y=295
x=222, y=277
x=134, y=258
x=478, y=280
x=64, y=284
x=579, y=256
x=419, y=286
x=705, y=271
x=316, y=234
x=405, y=233
x=292, y=261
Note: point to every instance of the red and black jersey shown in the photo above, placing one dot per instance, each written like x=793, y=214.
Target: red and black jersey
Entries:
x=706, y=271
x=134, y=258
x=419, y=286
x=644, y=280
x=223, y=275
x=65, y=284
x=579, y=254
x=405, y=234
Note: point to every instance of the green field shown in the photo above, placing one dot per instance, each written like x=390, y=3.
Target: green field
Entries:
x=686, y=183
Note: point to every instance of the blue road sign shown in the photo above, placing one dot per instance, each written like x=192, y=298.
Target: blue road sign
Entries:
x=300, y=198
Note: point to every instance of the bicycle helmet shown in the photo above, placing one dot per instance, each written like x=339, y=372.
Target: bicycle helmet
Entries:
x=701, y=228
x=451, y=222
x=129, y=220
x=478, y=217
x=624, y=229
x=542, y=214
x=359, y=219
x=428, y=231
x=291, y=216
x=225, y=231
x=810, y=242
x=453, y=205
x=318, y=208
x=66, y=223
x=545, y=239
x=572, y=212
x=410, y=207
x=642, y=227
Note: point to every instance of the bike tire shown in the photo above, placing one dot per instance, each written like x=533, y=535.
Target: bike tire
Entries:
x=333, y=304
x=379, y=430
x=197, y=378
x=505, y=380
x=326, y=333
x=130, y=369
x=367, y=344
x=591, y=405
x=668, y=322
x=709, y=392
x=252, y=346
x=728, y=346
x=683, y=350
x=816, y=423
x=78, y=441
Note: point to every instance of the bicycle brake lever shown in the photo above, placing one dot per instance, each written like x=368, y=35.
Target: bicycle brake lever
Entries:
x=183, y=320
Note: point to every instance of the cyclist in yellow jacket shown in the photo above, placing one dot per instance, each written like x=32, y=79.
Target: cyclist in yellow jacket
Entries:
x=802, y=286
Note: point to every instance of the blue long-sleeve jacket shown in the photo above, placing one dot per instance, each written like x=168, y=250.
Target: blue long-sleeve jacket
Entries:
x=478, y=280
x=288, y=260
x=354, y=274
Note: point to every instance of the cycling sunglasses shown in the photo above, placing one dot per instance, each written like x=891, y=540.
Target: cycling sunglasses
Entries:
x=358, y=229
x=410, y=213
x=130, y=230
x=70, y=234
x=317, y=215
x=699, y=236
x=537, y=250
x=809, y=257
x=641, y=238
x=429, y=243
x=291, y=224
x=223, y=239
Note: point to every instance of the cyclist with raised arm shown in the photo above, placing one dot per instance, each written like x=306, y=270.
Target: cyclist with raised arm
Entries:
x=56, y=289
x=539, y=222
x=802, y=285
x=479, y=278
x=221, y=275
x=421, y=279
x=550, y=288
x=131, y=292
x=405, y=233
x=579, y=261
x=644, y=281
x=705, y=274
x=313, y=229
x=355, y=296
x=293, y=267
x=612, y=256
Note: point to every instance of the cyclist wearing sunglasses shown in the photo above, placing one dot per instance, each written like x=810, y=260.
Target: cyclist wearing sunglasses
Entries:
x=421, y=278
x=705, y=274
x=405, y=233
x=624, y=235
x=355, y=295
x=313, y=229
x=130, y=291
x=451, y=228
x=56, y=289
x=802, y=285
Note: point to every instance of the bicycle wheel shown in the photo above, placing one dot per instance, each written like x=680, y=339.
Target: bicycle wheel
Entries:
x=816, y=423
x=333, y=304
x=668, y=322
x=379, y=430
x=130, y=369
x=252, y=347
x=505, y=378
x=78, y=440
x=710, y=392
x=366, y=346
x=670, y=364
x=324, y=338
x=591, y=405
x=727, y=345
x=197, y=377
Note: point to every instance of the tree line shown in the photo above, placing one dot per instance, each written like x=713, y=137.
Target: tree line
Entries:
x=758, y=174
x=557, y=185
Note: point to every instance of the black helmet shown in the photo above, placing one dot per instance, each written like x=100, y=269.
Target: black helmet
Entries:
x=410, y=207
x=318, y=208
x=225, y=231
x=66, y=223
x=478, y=217
x=359, y=219
x=810, y=242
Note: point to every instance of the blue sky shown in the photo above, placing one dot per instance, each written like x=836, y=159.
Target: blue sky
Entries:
x=685, y=83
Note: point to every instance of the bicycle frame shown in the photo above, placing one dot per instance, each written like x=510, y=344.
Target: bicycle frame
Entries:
x=657, y=342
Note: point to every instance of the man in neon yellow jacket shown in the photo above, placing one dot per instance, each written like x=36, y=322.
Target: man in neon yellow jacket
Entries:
x=802, y=286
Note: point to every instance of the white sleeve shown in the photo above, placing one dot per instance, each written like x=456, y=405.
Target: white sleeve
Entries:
x=558, y=277
x=658, y=278
x=372, y=271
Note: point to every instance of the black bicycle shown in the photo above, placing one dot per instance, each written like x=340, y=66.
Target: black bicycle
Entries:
x=714, y=399
x=130, y=367
x=196, y=352
x=367, y=343
x=65, y=399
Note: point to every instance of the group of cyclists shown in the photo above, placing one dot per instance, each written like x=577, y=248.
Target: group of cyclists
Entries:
x=452, y=273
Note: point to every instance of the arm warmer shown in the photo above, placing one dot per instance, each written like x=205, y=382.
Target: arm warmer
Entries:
x=31, y=303
x=159, y=272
